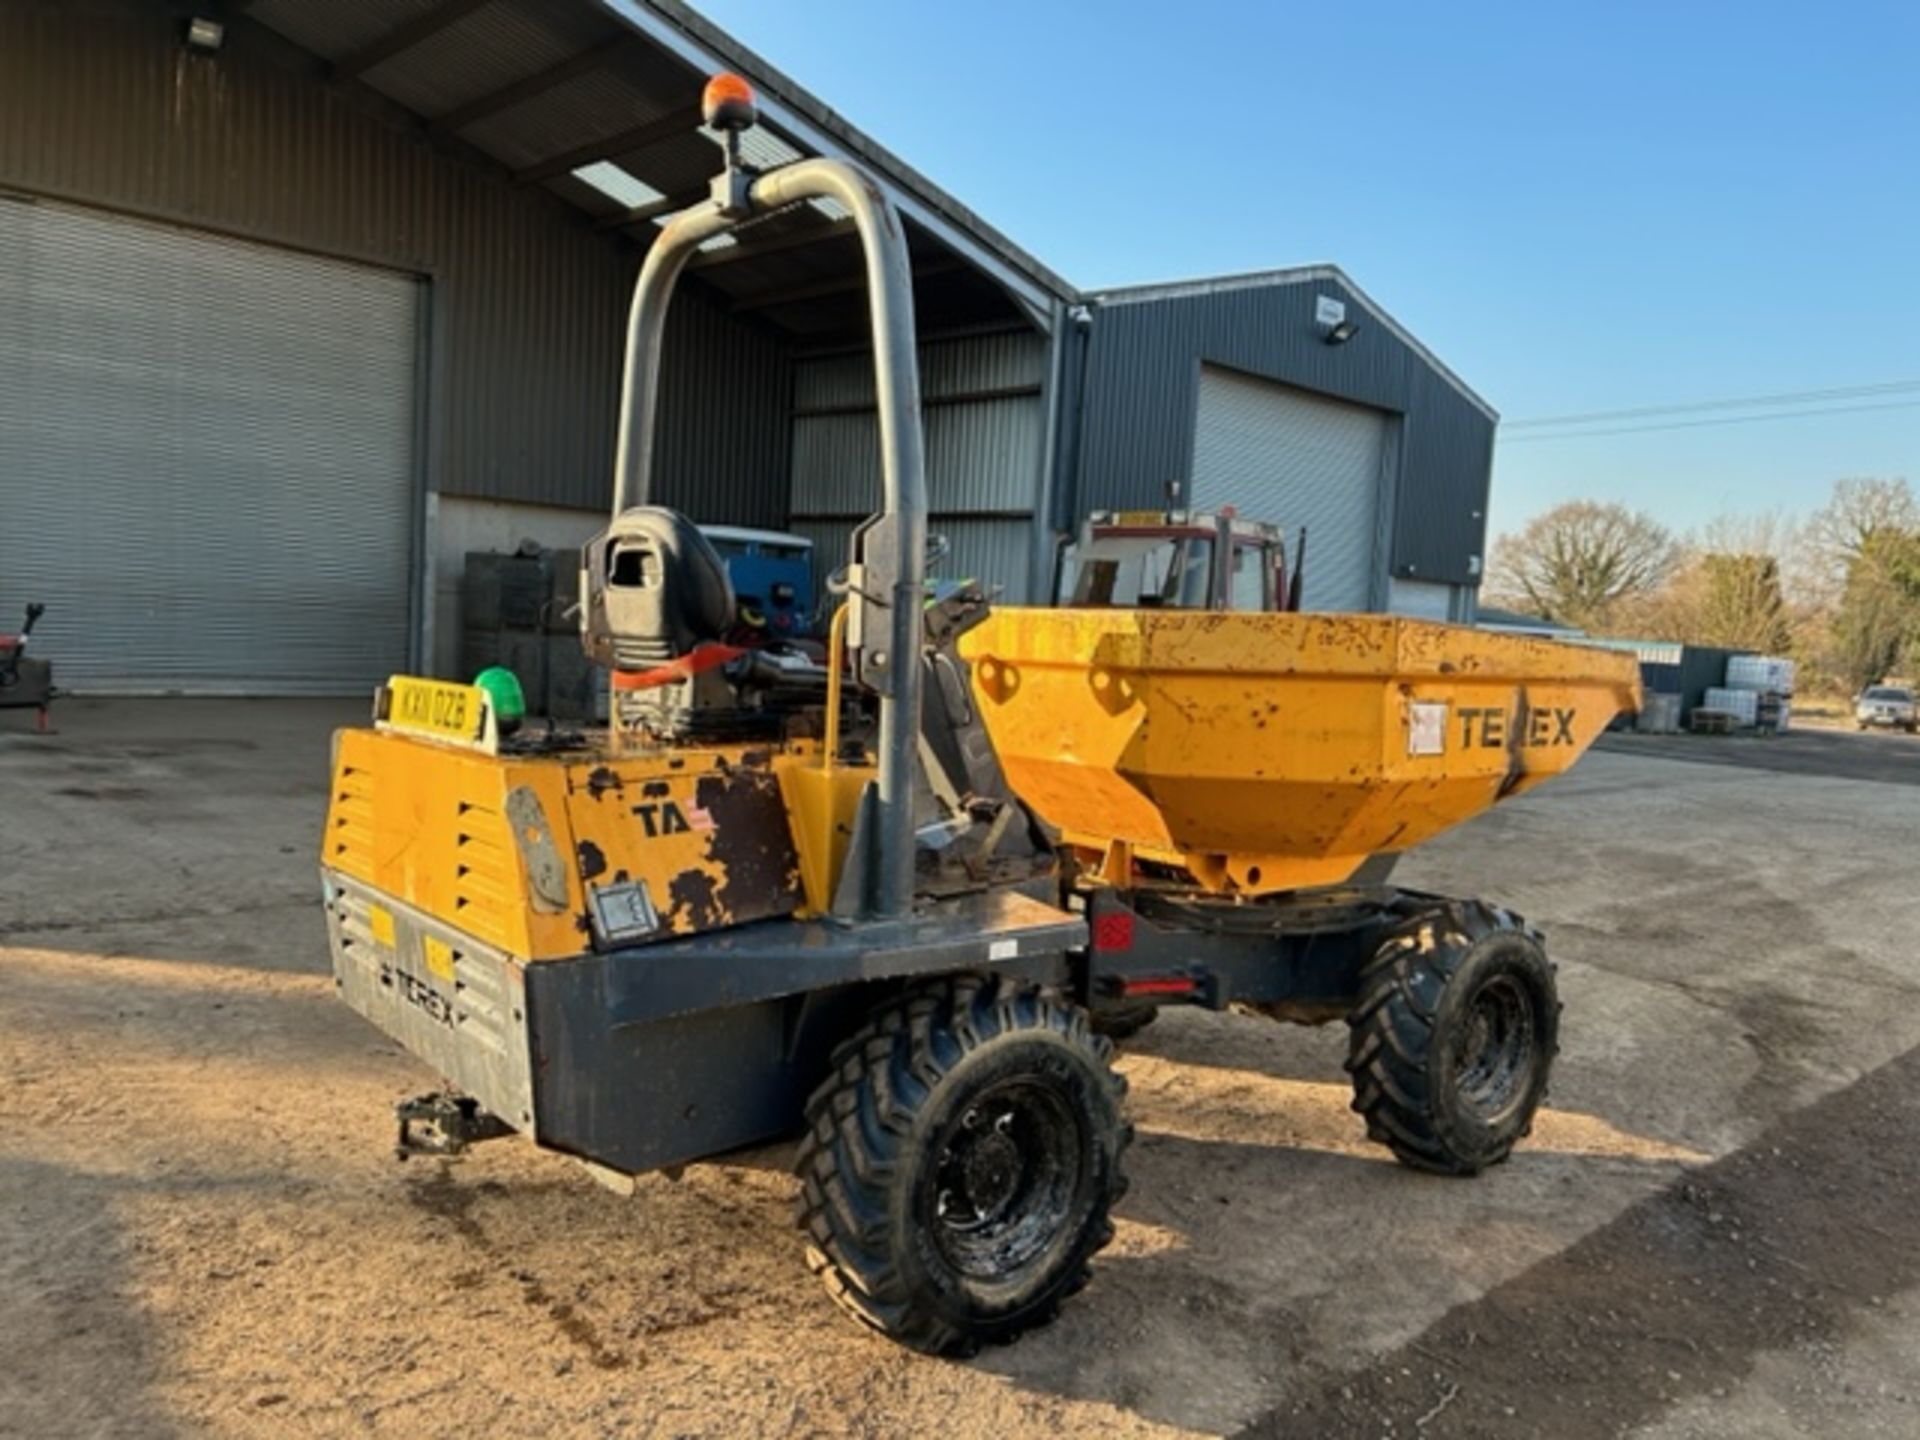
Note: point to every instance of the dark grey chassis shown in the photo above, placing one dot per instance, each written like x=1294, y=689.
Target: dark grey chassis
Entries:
x=650, y=1057
x=1295, y=957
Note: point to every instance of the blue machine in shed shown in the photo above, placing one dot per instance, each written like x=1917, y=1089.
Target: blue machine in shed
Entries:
x=772, y=575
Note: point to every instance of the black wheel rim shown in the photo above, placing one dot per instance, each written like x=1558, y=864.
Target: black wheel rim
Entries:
x=1006, y=1179
x=1495, y=1053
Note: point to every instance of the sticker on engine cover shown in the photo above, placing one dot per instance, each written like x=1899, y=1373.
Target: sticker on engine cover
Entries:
x=1427, y=727
x=439, y=957
x=623, y=911
x=380, y=923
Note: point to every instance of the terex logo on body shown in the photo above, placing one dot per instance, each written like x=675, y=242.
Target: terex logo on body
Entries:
x=1488, y=727
x=417, y=992
x=1496, y=729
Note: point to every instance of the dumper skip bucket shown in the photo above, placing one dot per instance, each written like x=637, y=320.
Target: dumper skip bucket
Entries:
x=1268, y=752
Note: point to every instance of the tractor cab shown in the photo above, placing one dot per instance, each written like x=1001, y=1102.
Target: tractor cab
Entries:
x=1179, y=560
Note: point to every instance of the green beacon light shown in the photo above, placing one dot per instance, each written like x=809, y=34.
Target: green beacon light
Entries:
x=504, y=694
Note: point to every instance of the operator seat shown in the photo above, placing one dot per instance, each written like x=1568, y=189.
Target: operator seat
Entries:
x=655, y=588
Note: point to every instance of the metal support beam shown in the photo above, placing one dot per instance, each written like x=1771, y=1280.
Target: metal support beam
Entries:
x=667, y=127
x=961, y=397
x=520, y=91
x=405, y=37
x=1061, y=333
x=840, y=285
x=749, y=248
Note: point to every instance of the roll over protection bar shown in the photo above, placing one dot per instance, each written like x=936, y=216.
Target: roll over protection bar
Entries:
x=888, y=571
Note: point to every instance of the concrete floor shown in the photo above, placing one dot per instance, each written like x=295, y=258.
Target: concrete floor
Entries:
x=201, y=1230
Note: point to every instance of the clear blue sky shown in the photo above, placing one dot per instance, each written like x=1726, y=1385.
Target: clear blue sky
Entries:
x=1579, y=207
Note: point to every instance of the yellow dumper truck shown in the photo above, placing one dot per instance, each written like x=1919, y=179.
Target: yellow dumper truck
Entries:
x=888, y=898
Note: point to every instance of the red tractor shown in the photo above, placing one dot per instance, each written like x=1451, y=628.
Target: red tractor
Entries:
x=1180, y=560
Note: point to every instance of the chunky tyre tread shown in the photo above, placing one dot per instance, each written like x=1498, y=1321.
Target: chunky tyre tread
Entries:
x=1392, y=1032
x=860, y=1118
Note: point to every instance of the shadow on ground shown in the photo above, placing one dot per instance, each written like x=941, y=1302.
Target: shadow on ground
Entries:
x=1831, y=754
x=89, y=1368
x=1779, y=1243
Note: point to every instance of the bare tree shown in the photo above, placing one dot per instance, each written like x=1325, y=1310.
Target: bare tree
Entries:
x=1867, y=544
x=1579, y=561
x=1732, y=591
x=1842, y=532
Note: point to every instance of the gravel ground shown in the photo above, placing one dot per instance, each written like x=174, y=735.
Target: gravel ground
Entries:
x=203, y=1230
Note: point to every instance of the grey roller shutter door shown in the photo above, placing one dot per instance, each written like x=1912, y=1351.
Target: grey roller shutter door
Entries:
x=207, y=457
x=1294, y=458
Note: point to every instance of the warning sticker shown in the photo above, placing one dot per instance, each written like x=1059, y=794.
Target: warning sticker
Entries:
x=1426, y=727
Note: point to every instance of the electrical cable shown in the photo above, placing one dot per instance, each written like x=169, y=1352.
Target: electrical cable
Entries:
x=1720, y=420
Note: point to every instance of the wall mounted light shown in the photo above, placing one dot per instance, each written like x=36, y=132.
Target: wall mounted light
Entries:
x=1330, y=314
x=205, y=34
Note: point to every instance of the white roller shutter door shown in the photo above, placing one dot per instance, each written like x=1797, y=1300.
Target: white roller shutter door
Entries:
x=1294, y=458
x=207, y=457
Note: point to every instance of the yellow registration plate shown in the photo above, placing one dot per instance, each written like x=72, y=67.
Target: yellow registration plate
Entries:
x=438, y=708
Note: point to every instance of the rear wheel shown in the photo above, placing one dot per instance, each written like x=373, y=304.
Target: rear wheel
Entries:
x=1454, y=1037
x=960, y=1162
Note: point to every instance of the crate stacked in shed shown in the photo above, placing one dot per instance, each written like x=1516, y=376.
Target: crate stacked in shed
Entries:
x=1758, y=692
x=1670, y=669
x=1659, y=712
x=516, y=611
x=1743, y=706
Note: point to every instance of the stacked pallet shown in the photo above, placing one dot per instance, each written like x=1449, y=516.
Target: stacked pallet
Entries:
x=1758, y=693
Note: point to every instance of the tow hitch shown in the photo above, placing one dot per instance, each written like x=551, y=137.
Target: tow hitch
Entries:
x=444, y=1124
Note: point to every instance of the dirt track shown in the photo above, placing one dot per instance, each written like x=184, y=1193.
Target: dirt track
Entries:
x=202, y=1229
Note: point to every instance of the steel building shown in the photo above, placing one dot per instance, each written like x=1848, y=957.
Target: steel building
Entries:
x=303, y=300
x=1291, y=395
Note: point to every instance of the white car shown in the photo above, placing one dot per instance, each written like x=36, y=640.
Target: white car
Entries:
x=1887, y=705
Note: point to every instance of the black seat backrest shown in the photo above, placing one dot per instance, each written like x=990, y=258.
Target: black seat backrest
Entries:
x=659, y=585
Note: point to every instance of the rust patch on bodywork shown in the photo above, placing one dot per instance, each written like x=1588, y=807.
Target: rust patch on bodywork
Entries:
x=1517, y=732
x=752, y=845
x=592, y=859
x=692, y=903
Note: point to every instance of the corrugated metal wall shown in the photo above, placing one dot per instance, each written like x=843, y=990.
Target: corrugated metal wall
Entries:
x=984, y=405
x=1138, y=402
x=101, y=104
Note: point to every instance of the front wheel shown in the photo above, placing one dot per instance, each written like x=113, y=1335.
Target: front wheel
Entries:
x=1454, y=1037
x=960, y=1162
